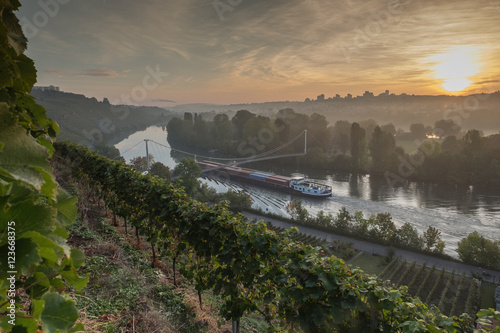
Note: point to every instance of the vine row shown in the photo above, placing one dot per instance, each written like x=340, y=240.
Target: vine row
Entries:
x=252, y=268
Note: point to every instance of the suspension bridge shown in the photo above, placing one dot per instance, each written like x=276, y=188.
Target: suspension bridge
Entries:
x=159, y=149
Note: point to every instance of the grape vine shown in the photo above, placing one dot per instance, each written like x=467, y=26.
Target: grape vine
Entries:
x=249, y=266
x=36, y=264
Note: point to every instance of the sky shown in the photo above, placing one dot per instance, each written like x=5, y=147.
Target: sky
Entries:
x=169, y=52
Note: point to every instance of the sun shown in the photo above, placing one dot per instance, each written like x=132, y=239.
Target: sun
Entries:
x=455, y=68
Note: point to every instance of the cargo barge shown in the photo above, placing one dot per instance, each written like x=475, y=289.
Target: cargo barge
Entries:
x=298, y=185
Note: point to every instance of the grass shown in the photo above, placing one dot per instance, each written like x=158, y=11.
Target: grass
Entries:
x=488, y=295
x=376, y=265
x=124, y=293
x=369, y=263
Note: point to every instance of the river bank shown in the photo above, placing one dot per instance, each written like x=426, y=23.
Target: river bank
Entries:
x=381, y=250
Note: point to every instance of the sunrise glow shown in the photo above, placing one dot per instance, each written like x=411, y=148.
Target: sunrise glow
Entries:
x=456, y=68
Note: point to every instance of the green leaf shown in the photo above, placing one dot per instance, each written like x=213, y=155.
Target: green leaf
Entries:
x=59, y=313
x=22, y=156
x=29, y=217
x=27, y=70
x=78, y=328
x=38, y=306
x=6, y=74
x=66, y=208
x=28, y=325
x=71, y=276
x=78, y=257
x=26, y=256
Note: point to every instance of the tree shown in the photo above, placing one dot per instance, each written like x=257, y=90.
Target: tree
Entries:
x=297, y=211
x=343, y=220
x=340, y=135
x=432, y=236
x=315, y=158
x=237, y=201
x=188, y=172
x=389, y=128
x=140, y=163
x=382, y=147
x=473, y=142
x=357, y=146
x=110, y=152
x=221, y=133
x=240, y=119
x=479, y=251
x=446, y=127
x=408, y=235
x=159, y=169
x=418, y=131
x=383, y=227
x=450, y=144
x=188, y=116
x=318, y=125
x=324, y=219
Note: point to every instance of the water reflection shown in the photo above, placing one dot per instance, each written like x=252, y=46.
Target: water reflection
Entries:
x=455, y=211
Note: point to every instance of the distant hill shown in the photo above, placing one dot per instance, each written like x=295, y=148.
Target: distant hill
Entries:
x=470, y=112
x=88, y=122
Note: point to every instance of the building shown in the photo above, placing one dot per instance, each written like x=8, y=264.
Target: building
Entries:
x=45, y=88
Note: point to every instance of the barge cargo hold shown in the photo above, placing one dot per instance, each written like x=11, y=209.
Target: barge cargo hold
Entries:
x=296, y=185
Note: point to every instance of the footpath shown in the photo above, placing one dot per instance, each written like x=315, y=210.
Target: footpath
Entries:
x=381, y=250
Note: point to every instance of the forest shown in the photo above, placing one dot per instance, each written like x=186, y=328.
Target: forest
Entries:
x=442, y=153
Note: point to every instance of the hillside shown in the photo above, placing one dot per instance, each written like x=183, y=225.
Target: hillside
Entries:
x=89, y=122
x=470, y=112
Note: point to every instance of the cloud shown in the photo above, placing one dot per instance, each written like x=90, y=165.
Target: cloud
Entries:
x=486, y=82
x=55, y=72
x=267, y=47
x=99, y=72
x=161, y=100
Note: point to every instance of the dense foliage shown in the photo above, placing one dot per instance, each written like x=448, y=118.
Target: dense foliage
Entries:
x=449, y=155
x=36, y=264
x=251, y=267
x=479, y=251
x=378, y=228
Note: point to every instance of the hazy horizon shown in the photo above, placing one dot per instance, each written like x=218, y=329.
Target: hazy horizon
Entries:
x=225, y=52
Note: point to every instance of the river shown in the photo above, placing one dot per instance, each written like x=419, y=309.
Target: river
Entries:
x=456, y=213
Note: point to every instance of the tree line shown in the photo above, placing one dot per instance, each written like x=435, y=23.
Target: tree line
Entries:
x=444, y=154
x=474, y=249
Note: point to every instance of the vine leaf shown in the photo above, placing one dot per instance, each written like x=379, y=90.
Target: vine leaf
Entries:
x=22, y=157
x=59, y=313
x=66, y=208
x=28, y=325
x=26, y=256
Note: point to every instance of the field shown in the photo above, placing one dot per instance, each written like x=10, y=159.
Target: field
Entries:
x=338, y=249
x=452, y=293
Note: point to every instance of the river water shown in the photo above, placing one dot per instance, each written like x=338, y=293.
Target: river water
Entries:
x=455, y=212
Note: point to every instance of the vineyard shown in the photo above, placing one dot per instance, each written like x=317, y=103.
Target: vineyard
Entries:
x=453, y=294
x=339, y=249
x=249, y=266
